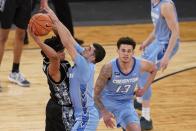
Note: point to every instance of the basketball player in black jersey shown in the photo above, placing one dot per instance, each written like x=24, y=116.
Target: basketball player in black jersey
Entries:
x=59, y=113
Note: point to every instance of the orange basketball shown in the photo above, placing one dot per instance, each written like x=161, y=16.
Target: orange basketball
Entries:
x=41, y=24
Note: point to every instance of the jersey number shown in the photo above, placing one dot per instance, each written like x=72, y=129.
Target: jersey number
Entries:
x=123, y=89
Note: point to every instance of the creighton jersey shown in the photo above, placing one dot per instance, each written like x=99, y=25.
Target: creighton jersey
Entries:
x=162, y=32
x=81, y=86
x=120, y=88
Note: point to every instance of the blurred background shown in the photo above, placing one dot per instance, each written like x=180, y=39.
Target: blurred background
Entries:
x=102, y=12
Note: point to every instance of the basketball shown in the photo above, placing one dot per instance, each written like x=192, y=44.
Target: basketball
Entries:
x=41, y=24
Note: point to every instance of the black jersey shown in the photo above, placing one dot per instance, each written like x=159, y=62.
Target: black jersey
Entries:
x=59, y=91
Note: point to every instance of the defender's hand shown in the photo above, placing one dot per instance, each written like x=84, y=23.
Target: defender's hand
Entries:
x=108, y=119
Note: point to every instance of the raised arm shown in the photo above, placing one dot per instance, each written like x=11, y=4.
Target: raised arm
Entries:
x=168, y=12
x=52, y=55
x=43, y=4
x=149, y=67
x=64, y=34
x=104, y=75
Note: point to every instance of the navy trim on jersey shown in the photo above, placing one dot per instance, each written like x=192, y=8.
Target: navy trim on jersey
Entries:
x=85, y=115
x=118, y=66
x=161, y=53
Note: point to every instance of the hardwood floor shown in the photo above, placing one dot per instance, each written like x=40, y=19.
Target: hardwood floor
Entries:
x=173, y=101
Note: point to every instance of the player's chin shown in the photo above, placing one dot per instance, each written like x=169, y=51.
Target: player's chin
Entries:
x=125, y=60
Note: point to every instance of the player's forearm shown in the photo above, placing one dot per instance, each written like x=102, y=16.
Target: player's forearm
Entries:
x=150, y=38
x=44, y=1
x=167, y=10
x=64, y=34
x=66, y=39
x=99, y=104
x=99, y=85
x=172, y=42
x=43, y=4
x=50, y=53
x=105, y=74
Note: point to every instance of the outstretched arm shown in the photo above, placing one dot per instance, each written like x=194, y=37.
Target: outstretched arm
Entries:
x=168, y=12
x=52, y=55
x=43, y=4
x=70, y=44
x=149, y=67
x=105, y=74
x=64, y=34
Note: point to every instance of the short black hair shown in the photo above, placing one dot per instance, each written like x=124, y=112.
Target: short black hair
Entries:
x=55, y=43
x=126, y=41
x=99, y=52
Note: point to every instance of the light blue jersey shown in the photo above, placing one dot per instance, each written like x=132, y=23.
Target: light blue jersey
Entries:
x=156, y=50
x=118, y=93
x=81, y=90
x=162, y=31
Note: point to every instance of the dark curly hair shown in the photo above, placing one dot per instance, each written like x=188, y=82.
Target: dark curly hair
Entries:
x=99, y=52
x=127, y=41
x=55, y=43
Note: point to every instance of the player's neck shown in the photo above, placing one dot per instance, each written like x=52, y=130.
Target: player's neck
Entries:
x=126, y=67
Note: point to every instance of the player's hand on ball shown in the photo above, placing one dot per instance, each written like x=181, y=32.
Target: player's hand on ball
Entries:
x=40, y=24
x=31, y=32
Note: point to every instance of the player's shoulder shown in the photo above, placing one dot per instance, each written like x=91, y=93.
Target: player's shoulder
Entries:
x=106, y=67
x=81, y=60
x=106, y=70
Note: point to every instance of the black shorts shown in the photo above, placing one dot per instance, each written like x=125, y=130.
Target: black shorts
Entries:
x=58, y=118
x=16, y=12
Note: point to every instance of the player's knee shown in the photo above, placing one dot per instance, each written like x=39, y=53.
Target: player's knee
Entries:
x=133, y=127
x=20, y=35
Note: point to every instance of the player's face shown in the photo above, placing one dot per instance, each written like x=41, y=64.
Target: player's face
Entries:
x=89, y=52
x=125, y=53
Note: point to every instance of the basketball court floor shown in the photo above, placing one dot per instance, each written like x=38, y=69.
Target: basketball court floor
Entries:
x=173, y=102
